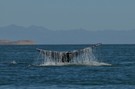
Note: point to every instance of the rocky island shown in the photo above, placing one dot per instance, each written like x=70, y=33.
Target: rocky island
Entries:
x=18, y=42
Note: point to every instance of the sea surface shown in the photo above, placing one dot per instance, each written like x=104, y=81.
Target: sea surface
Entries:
x=18, y=72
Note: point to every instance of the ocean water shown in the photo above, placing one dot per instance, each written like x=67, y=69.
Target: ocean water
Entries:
x=18, y=72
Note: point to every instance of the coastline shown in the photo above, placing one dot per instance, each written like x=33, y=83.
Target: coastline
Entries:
x=18, y=42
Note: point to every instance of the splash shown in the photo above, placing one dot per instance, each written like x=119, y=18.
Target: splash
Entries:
x=76, y=57
x=13, y=62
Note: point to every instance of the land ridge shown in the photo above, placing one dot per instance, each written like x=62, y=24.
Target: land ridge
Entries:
x=17, y=42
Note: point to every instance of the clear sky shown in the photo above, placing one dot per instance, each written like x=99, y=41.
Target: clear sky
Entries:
x=69, y=14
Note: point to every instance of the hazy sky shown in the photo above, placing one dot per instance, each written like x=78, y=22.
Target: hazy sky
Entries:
x=69, y=14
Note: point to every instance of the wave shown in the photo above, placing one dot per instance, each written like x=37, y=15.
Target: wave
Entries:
x=93, y=63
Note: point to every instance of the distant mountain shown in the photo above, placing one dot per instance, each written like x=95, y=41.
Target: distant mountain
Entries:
x=42, y=35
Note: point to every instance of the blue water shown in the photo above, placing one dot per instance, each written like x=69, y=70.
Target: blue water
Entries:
x=17, y=71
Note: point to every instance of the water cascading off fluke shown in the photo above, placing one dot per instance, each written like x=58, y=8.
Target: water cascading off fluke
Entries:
x=76, y=57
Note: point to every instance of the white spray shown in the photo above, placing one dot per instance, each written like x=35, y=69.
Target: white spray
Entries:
x=76, y=57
